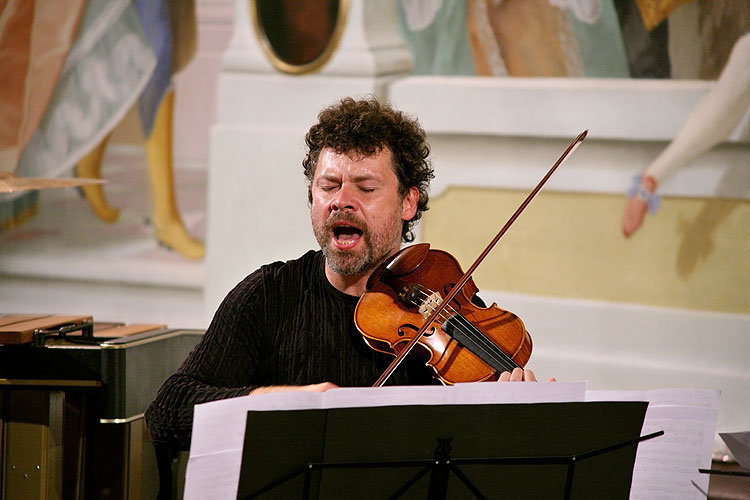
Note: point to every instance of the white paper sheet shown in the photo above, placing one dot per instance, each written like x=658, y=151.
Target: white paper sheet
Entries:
x=697, y=398
x=213, y=469
x=666, y=467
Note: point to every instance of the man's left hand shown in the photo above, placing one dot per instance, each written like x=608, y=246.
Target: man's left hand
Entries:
x=520, y=375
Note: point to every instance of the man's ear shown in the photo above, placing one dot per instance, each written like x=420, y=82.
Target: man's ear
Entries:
x=409, y=204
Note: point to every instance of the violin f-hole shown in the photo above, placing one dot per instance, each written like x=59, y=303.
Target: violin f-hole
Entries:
x=415, y=329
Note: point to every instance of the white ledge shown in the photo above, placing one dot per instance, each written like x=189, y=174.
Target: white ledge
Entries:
x=610, y=108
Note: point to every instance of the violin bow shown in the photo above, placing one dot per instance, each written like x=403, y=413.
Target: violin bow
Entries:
x=467, y=275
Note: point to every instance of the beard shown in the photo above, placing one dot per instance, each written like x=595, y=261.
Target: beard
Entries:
x=377, y=245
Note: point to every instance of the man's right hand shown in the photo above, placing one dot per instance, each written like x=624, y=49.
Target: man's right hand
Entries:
x=322, y=387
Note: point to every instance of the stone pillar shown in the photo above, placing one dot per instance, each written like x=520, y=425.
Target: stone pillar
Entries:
x=257, y=195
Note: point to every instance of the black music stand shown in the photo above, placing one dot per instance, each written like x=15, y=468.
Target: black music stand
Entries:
x=541, y=450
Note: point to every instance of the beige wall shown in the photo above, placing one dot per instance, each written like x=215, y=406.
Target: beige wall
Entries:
x=693, y=254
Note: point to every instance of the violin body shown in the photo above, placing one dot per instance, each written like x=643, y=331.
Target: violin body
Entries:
x=466, y=343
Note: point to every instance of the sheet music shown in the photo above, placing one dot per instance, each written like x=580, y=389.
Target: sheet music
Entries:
x=217, y=425
x=213, y=469
x=470, y=393
x=698, y=398
x=666, y=467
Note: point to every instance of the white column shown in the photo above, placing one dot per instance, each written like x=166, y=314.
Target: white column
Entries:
x=257, y=196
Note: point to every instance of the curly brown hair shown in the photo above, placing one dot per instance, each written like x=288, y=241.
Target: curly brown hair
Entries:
x=365, y=126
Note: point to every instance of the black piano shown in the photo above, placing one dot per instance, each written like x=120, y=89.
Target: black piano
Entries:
x=72, y=397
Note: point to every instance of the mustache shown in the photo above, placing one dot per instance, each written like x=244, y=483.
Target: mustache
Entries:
x=345, y=217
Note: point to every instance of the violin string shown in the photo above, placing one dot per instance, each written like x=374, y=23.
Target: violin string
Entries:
x=469, y=330
x=498, y=358
x=425, y=295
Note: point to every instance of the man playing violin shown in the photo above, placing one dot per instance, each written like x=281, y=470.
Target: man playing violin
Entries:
x=290, y=325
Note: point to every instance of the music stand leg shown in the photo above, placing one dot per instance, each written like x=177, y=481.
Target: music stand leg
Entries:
x=477, y=494
x=438, y=488
x=409, y=484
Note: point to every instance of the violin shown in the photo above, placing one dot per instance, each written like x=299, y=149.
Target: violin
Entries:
x=466, y=343
x=420, y=301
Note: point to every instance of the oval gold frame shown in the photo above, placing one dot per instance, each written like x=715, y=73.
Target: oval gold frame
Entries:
x=315, y=64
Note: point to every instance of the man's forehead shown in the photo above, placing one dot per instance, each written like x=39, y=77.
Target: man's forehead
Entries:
x=330, y=159
x=356, y=154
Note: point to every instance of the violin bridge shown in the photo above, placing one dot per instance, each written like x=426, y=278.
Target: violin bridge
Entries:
x=429, y=304
x=424, y=300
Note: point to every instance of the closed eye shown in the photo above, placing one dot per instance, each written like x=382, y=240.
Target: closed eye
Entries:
x=327, y=187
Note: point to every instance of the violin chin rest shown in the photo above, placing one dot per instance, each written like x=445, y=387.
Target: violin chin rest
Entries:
x=408, y=259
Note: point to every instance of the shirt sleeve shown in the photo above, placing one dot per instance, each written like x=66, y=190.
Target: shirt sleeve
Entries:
x=224, y=364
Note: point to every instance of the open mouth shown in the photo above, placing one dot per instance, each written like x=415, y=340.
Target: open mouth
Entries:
x=345, y=235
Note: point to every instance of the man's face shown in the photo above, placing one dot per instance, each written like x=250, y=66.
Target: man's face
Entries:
x=357, y=211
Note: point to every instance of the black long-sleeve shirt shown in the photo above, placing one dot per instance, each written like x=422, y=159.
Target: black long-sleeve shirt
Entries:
x=285, y=324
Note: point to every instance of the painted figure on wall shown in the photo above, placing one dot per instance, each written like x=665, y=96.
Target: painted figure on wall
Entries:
x=575, y=38
x=70, y=83
x=715, y=117
x=545, y=38
x=514, y=37
x=28, y=74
